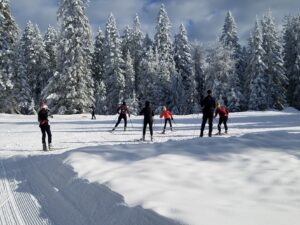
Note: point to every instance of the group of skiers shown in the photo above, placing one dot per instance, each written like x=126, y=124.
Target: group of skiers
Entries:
x=210, y=109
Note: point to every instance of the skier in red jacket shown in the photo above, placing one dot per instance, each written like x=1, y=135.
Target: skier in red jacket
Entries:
x=223, y=113
x=168, y=116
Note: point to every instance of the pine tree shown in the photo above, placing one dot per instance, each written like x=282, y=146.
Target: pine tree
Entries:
x=126, y=41
x=292, y=59
x=71, y=88
x=220, y=70
x=229, y=39
x=275, y=71
x=98, y=73
x=164, y=48
x=147, y=43
x=199, y=67
x=184, y=66
x=50, y=40
x=129, y=77
x=114, y=66
x=149, y=72
x=256, y=73
x=8, y=40
x=136, y=50
x=32, y=69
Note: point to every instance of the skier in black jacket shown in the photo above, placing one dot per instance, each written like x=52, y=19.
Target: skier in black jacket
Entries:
x=122, y=111
x=148, y=119
x=43, y=114
x=208, y=105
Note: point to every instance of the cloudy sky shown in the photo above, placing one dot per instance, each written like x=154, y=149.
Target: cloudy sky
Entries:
x=203, y=18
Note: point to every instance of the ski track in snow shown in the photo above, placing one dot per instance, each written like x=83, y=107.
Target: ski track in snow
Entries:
x=250, y=176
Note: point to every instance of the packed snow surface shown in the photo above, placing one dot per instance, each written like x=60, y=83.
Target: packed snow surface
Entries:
x=251, y=176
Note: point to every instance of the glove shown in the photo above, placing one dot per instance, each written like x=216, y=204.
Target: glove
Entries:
x=172, y=118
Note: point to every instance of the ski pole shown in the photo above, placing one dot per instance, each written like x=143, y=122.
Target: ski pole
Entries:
x=131, y=122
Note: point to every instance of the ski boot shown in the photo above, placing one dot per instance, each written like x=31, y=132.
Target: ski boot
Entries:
x=112, y=130
x=44, y=147
x=164, y=131
x=201, y=134
x=143, y=138
x=50, y=146
x=125, y=128
x=151, y=138
x=226, y=132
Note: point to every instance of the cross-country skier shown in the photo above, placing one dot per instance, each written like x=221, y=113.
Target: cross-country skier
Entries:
x=168, y=116
x=223, y=113
x=208, y=105
x=43, y=114
x=148, y=119
x=122, y=111
x=93, y=112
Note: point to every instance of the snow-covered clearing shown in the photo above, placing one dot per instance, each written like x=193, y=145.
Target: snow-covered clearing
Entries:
x=249, y=177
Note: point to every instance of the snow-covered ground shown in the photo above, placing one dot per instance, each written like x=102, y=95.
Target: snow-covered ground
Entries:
x=249, y=177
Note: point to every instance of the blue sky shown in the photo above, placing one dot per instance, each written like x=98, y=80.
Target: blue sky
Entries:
x=203, y=19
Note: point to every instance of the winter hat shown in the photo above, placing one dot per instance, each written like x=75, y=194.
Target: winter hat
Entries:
x=43, y=105
x=147, y=103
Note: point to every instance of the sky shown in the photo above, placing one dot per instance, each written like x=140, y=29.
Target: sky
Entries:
x=203, y=19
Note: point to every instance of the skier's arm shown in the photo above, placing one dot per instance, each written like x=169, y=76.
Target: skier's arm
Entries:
x=171, y=114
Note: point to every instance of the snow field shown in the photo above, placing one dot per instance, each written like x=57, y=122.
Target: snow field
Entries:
x=250, y=176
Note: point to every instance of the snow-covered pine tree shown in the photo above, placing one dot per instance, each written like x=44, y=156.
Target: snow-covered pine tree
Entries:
x=50, y=40
x=220, y=70
x=149, y=72
x=199, y=67
x=184, y=66
x=292, y=59
x=229, y=39
x=71, y=88
x=164, y=48
x=273, y=59
x=98, y=73
x=32, y=70
x=126, y=40
x=129, y=91
x=136, y=49
x=114, y=66
x=9, y=33
x=256, y=72
x=147, y=43
x=129, y=77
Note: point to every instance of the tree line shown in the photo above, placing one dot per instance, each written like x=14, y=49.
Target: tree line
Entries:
x=71, y=70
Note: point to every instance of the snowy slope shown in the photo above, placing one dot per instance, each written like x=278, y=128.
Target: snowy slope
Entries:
x=250, y=176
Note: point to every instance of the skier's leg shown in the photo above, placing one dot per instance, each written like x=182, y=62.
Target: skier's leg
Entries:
x=204, y=119
x=165, y=124
x=49, y=134
x=225, y=124
x=125, y=122
x=144, y=128
x=170, y=123
x=219, y=125
x=210, y=121
x=151, y=128
x=43, y=134
x=164, y=130
x=119, y=120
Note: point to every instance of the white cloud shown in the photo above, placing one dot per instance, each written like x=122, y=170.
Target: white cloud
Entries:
x=204, y=19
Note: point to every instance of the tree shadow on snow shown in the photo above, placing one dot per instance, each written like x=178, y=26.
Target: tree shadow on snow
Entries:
x=67, y=200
